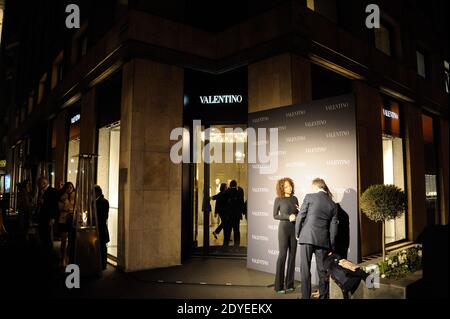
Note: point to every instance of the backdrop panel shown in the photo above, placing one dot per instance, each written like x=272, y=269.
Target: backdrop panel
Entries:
x=317, y=139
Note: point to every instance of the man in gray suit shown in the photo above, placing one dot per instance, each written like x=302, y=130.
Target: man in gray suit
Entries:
x=316, y=229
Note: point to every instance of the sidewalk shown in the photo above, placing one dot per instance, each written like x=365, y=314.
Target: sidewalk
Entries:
x=198, y=278
x=25, y=272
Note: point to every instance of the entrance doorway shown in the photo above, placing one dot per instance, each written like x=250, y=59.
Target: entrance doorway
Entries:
x=216, y=102
x=207, y=179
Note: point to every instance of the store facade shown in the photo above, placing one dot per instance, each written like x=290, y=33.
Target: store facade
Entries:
x=132, y=96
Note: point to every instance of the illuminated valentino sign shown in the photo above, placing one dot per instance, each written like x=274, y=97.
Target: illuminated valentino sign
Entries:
x=390, y=114
x=220, y=99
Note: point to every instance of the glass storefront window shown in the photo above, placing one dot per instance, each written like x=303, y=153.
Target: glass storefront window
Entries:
x=393, y=169
x=108, y=177
x=19, y=153
x=421, y=65
x=393, y=165
x=72, y=158
x=7, y=183
x=73, y=148
x=431, y=171
x=2, y=184
x=1, y=23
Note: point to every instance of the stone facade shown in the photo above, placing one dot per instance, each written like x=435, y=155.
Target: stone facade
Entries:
x=149, y=183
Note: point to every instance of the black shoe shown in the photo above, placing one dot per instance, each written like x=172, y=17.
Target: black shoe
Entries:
x=214, y=234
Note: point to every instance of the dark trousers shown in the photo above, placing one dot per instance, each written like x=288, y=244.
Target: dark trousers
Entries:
x=45, y=236
x=306, y=252
x=104, y=254
x=286, y=243
x=221, y=226
x=232, y=224
x=71, y=244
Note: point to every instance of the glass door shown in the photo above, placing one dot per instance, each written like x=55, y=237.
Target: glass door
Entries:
x=223, y=159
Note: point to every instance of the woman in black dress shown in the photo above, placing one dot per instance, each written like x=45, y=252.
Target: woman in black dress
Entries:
x=285, y=210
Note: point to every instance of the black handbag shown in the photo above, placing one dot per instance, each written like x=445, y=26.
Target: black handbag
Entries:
x=346, y=279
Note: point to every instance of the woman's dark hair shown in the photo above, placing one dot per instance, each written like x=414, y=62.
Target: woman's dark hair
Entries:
x=223, y=187
x=66, y=186
x=233, y=183
x=98, y=190
x=320, y=183
x=280, y=186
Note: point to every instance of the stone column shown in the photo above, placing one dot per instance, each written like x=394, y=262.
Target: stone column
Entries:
x=370, y=159
x=415, y=170
x=278, y=81
x=150, y=184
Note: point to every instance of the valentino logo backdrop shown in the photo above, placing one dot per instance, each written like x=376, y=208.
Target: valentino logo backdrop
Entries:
x=317, y=139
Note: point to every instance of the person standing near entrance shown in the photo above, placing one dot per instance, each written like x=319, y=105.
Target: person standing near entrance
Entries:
x=316, y=230
x=285, y=210
x=234, y=211
x=47, y=213
x=24, y=206
x=102, y=206
x=66, y=206
x=220, y=208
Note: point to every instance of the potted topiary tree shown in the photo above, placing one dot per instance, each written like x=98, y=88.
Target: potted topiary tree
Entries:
x=383, y=202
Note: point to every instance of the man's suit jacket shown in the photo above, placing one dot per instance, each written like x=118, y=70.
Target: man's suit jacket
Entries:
x=317, y=221
x=49, y=205
x=234, y=203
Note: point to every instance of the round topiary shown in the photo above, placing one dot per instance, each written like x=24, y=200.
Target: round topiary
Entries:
x=383, y=202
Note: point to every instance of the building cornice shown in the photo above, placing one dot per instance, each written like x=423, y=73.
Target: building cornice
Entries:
x=292, y=28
